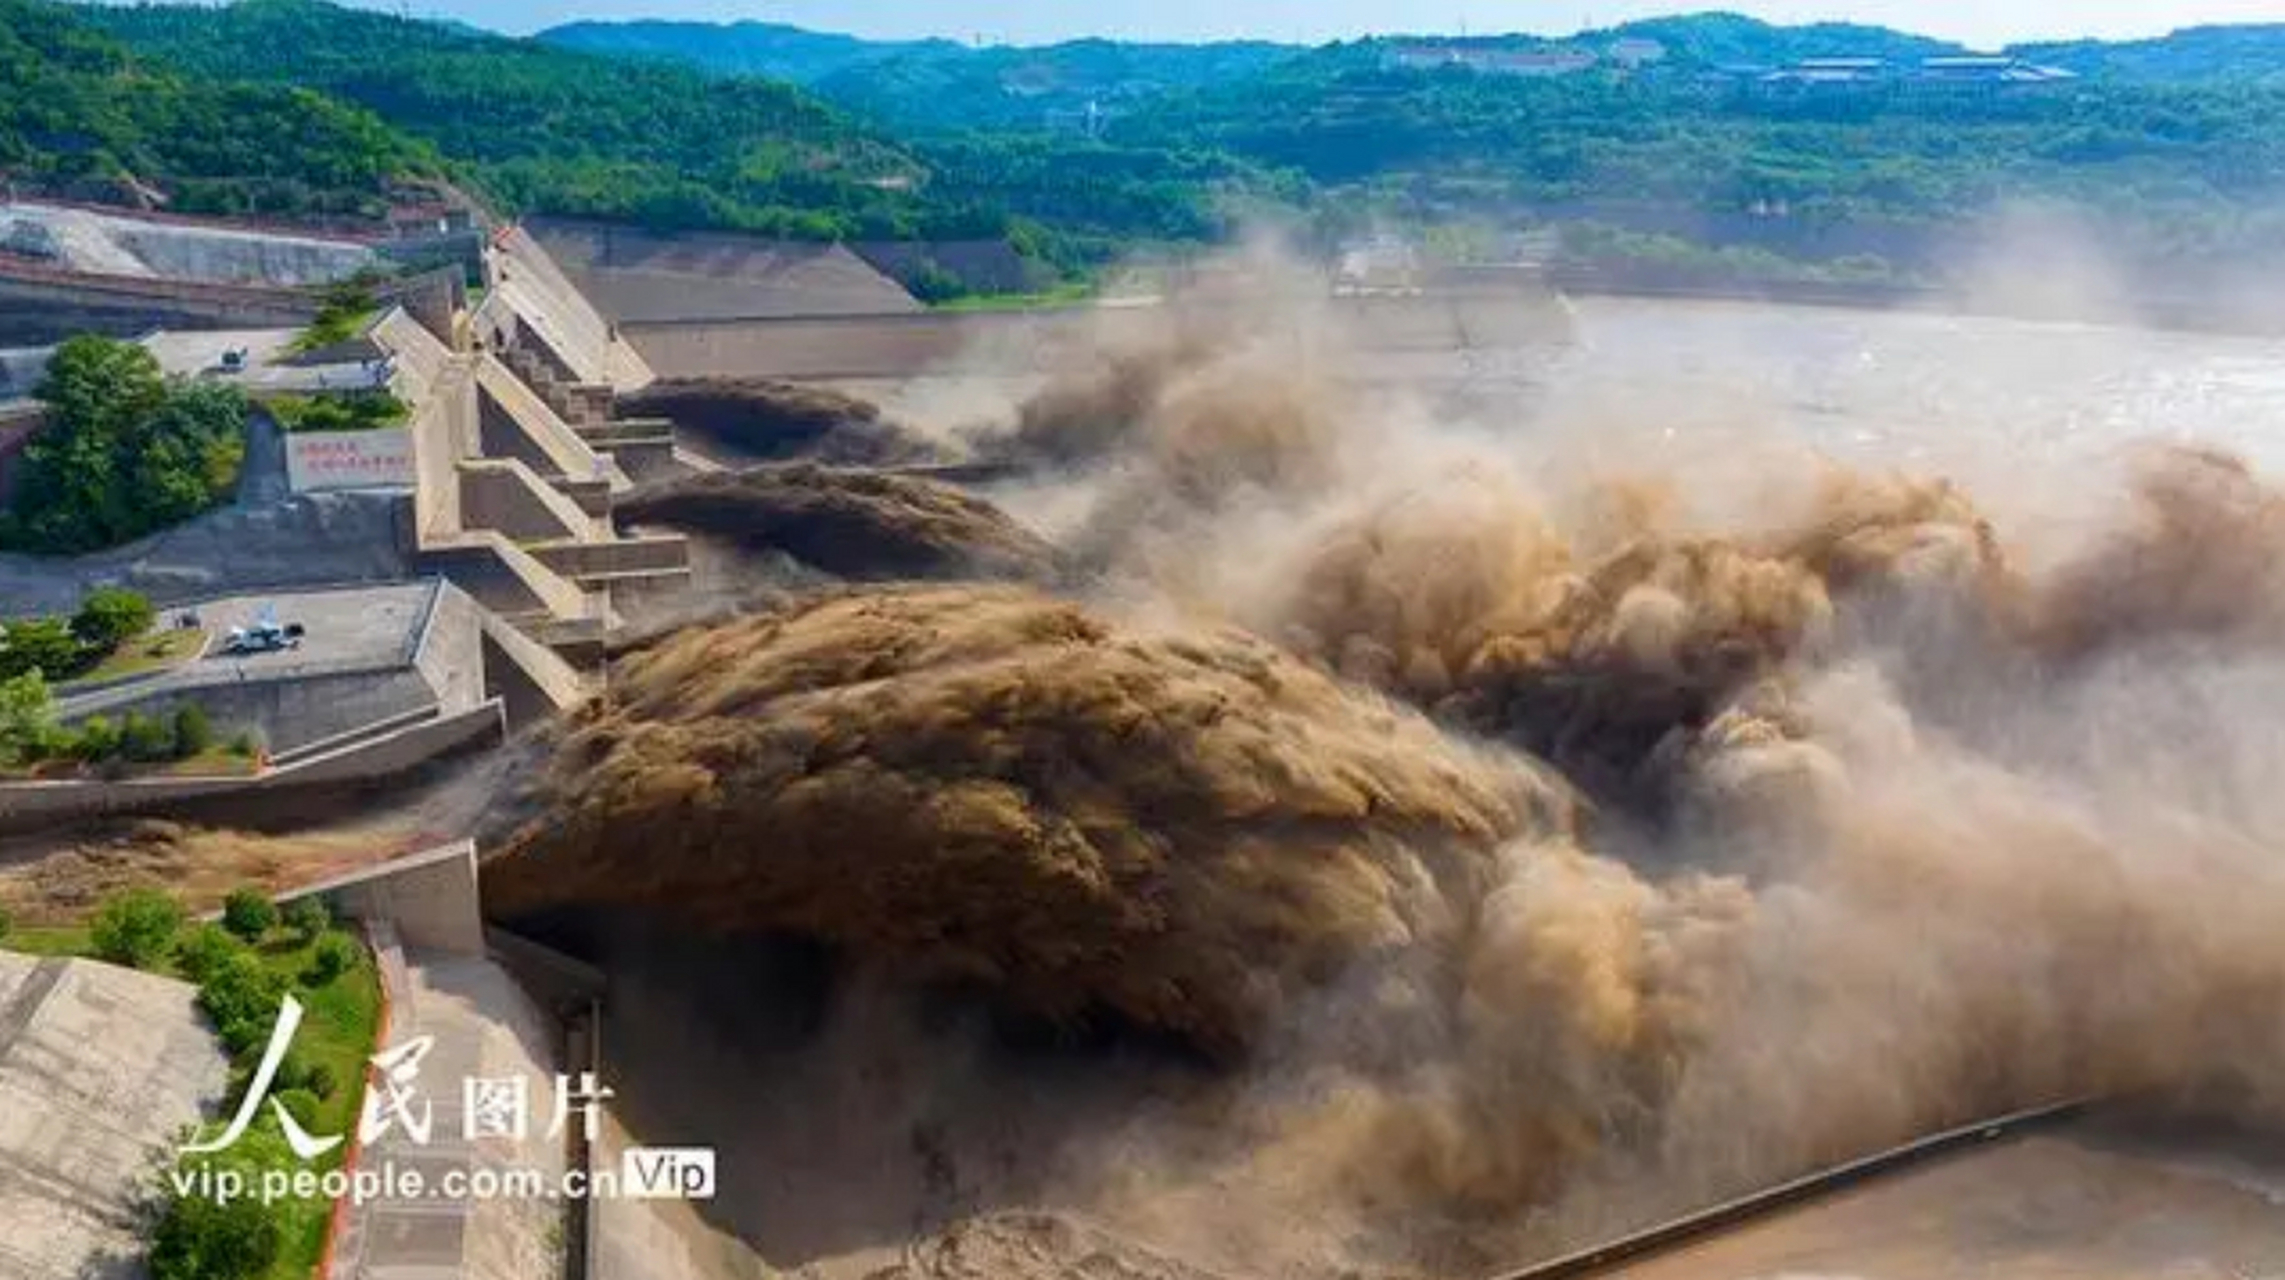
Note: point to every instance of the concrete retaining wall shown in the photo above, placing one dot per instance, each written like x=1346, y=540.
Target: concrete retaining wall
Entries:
x=638, y=556
x=429, y=899
x=516, y=423
x=290, y=712
x=507, y=495
x=26, y=806
x=507, y=579
x=450, y=652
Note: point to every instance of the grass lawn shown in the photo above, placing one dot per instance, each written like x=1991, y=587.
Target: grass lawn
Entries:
x=338, y=1030
x=1069, y=295
x=158, y=651
x=64, y=941
x=214, y=762
x=340, y=1027
x=332, y=327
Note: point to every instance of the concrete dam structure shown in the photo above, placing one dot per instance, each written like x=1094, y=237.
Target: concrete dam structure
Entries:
x=1383, y=330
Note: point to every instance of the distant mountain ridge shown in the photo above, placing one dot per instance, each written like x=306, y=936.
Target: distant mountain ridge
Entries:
x=742, y=48
x=2248, y=52
x=932, y=82
x=810, y=57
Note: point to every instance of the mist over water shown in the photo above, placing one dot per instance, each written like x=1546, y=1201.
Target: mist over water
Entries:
x=1746, y=741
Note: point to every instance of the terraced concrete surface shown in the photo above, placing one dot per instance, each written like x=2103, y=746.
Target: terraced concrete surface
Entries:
x=2099, y=1199
x=100, y=1070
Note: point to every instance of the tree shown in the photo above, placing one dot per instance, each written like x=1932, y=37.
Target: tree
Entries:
x=201, y=1237
x=335, y=956
x=206, y=950
x=249, y=914
x=137, y=928
x=98, y=740
x=44, y=645
x=111, y=616
x=194, y=733
x=308, y=917
x=122, y=453
x=241, y=998
x=27, y=717
x=147, y=739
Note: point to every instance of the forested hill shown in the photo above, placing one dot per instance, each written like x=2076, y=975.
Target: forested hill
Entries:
x=551, y=129
x=937, y=84
x=2196, y=55
x=82, y=117
x=742, y=48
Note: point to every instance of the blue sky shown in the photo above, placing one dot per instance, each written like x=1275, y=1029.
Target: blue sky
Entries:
x=1028, y=21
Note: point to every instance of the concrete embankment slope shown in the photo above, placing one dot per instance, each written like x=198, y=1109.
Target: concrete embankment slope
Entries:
x=633, y=274
x=75, y=239
x=100, y=1069
x=2100, y=1197
x=841, y=348
x=532, y=295
x=308, y=540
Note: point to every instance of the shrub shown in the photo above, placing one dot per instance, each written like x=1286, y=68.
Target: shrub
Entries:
x=244, y=745
x=206, y=950
x=308, y=917
x=321, y=1081
x=27, y=718
x=202, y=1238
x=249, y=914
x=241, y=999
x=97, y=740
x=45, y=645
x=301, y=1104
x=137, y=928
x=7, y=924
x=335, y=956
x=111, y=616
x=315, y=1078
x=194, y=733
x=146, y=739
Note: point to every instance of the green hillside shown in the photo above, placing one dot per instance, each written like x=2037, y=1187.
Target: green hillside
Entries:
x=741, y=48
x=1729, y=39
x=82, y=117
x=1059, y=86
x=550, y=129
x=1882, y=173
x=2198, y=54
x=935, y=84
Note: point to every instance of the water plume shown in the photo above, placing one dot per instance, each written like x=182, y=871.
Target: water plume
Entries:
x=1531, y=852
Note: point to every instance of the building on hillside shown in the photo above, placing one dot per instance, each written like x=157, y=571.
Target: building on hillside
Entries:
x=1939, y=75
x=1634, y=54
x=1985, y=72
x=1530, y=63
